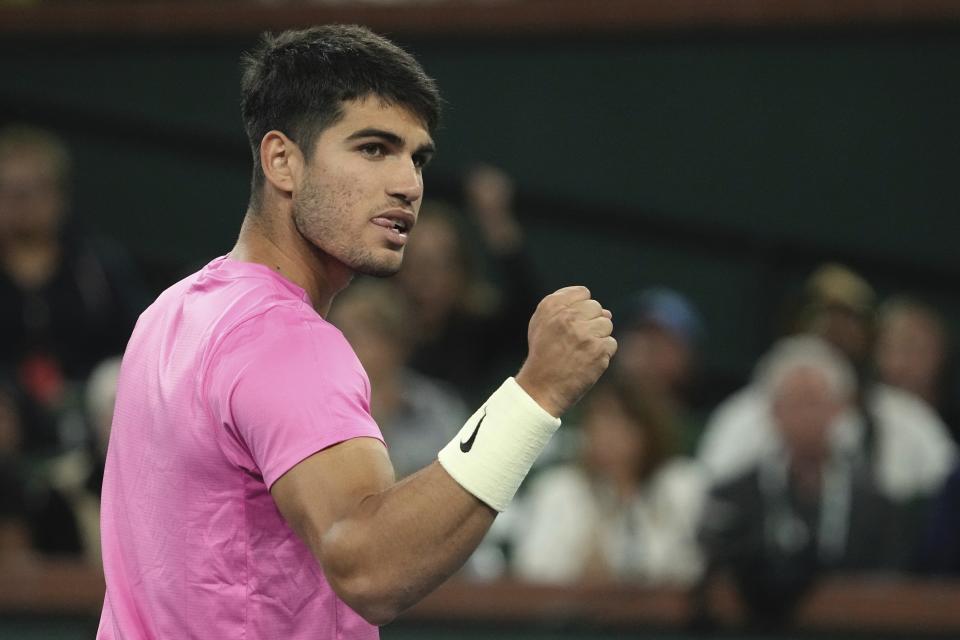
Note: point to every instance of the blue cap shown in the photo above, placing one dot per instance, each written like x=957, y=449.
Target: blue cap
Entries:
x=665, y=308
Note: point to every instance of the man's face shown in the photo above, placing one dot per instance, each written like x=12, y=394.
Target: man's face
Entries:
x=31, y=199
x=910, y=352
x=654, y=358
x=845, y=329
x=805, y=407
x=362, y=188
x=614, y=444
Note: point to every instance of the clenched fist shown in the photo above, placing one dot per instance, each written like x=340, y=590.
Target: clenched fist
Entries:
x=570, y=346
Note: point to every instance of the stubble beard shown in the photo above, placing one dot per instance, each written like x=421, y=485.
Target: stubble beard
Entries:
x=320, y=221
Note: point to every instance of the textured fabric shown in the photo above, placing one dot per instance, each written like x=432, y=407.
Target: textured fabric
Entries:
x=915, y=453
x=229, y=380
x=492, y=466
x=573, y=524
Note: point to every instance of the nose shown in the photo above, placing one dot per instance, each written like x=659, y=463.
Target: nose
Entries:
x=407, y=181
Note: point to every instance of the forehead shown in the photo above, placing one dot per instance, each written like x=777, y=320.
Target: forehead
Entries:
x=374, y=113
x=27, y=164
x=803, y=379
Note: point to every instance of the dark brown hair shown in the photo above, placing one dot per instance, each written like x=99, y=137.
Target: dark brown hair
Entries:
x=647, y=414
x=297, y=81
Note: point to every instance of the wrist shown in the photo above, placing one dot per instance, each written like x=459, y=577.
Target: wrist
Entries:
x=541, y=394
x=497, y=446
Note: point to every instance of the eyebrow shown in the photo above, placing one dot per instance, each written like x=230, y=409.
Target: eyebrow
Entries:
x=392, y=138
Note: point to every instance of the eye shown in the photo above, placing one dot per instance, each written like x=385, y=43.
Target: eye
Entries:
x=420, y=160
x=373, y=150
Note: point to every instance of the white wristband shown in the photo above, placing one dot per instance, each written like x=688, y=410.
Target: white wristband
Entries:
x=494, y=451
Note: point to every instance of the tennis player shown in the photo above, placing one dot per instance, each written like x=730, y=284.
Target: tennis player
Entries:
x=248, y=492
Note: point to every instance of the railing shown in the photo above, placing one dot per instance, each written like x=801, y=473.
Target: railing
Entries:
x=859, y=605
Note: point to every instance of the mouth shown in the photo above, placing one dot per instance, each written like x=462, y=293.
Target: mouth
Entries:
x=397, y=222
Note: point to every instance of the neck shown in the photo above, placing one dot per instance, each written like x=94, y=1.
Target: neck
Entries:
x=30, y=259
x=806, y=473
x=624, y=482
x=273, y=240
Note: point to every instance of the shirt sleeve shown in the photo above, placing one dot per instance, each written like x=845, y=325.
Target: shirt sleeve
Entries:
x=285, y=386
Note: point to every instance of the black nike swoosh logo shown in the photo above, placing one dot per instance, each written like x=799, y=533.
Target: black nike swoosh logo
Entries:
x=465, y=446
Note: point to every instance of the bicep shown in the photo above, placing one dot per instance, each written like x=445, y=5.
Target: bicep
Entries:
x=330, y=485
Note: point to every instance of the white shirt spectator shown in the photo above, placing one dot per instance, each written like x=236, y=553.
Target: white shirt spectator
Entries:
x=914, y=451
x=572, y=523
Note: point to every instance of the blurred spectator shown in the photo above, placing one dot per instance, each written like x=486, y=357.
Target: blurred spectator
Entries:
x=912, y=352
x=627, y=512
x=57, y=497
x=658, y=333
x=839, y=306
x=809, y=503
x=63, y=496
x=68, y=301
x=906, y=443
x=416, y=414
x=911, y=347
x=468, y=332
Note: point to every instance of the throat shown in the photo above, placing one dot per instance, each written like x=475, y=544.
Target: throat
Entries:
x=31, y=265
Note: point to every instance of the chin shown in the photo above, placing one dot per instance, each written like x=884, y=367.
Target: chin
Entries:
x=379, y=269
x=379, y=263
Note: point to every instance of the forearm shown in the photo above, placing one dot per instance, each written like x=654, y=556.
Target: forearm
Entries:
x=402, y=543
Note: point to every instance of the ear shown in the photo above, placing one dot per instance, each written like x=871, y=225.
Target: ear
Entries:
x=281, y=160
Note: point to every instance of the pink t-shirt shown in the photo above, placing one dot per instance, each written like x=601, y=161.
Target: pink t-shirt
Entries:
x=229, y=380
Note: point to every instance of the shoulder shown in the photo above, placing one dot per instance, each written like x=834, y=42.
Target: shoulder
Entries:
x=896, y=403
x=285, y=345
x=680, y=480
x=681, y=472
x=736, y=433
x=561, y=483
x=918, y=450
x=744, y=405
x=908, y=416
x=288, y=329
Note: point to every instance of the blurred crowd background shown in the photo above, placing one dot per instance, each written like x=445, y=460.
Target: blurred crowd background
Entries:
x=769, y=207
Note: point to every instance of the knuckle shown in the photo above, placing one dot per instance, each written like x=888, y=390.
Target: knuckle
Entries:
x=592, y=346
x=584, y=343
x=602, y=348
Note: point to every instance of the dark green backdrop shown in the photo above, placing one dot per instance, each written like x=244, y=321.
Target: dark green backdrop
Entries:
x=724, y=165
